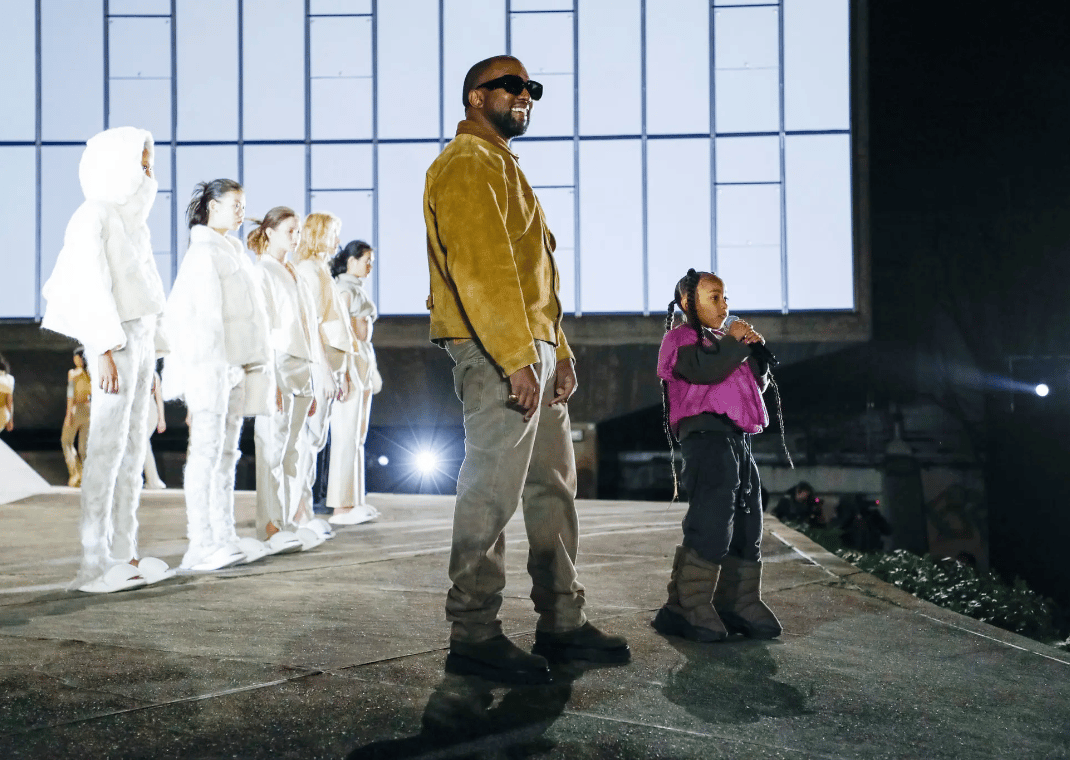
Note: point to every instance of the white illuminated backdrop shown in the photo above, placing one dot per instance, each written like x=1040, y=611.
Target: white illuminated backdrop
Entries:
x=672, y=133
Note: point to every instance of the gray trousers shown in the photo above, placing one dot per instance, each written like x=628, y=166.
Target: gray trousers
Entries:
x=510, y=463
x=724, y=511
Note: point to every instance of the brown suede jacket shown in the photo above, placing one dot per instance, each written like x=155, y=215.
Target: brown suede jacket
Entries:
x=493, y=276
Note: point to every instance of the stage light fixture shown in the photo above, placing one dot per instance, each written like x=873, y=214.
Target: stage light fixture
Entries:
x=426, y=462
x=1042, y=390
x=384, y=460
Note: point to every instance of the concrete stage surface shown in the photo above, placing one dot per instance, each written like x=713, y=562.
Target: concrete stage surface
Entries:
x=338, y=653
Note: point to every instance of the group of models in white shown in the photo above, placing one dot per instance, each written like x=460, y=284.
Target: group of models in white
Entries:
x=280, y=340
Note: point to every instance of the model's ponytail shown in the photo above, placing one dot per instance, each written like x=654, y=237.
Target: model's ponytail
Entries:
x=197, y=211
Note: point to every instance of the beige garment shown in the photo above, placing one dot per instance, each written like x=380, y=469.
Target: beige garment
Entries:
x=7, y=387
x=509, y=462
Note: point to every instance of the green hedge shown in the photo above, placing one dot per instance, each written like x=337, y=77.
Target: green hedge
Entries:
x=954, y=586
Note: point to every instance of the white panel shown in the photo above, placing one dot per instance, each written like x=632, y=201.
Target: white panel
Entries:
x=207, y=41
x=609, y=67
x=342, y=109
x=752, y=277
x=18, y=215
x=160, y=225
x=541, y=5
x=144, y=103
x=748, y=101
x=273, y=48
x=163, y=266
x=559, y=206
x=743, y=2
x=678, y=214
x=342, y=167
x=273, y=175
x=748, y=215
x=748, y=245
x=340, y=6
x=472, y=30
x=820, y=241
x=161, y=165
x=546, y=162
x=677, y=66
x=611, y=226
x=747, y=54
x=543, y=43
x=402, y=261
x=140, y=7
x=407, y=73
x=748, y=159
x=200, y=163
x=61, y=194
x=72, y=96
x=817, y=61
x=17, y=61
x=139, y=47
x=341, y=47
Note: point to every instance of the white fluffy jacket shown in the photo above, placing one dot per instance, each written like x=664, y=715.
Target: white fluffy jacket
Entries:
x=106, y=274
x=217, y=324
x=290, y=310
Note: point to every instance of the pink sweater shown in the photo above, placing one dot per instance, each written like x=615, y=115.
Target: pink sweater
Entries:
x=736, y=397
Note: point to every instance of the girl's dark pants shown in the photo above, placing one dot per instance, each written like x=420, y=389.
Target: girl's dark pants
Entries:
x=724, y=513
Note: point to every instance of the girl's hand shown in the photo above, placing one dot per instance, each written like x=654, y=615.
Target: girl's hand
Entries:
x=312, y=409
x=161, y=427
x=738, y=329
x=109, y=373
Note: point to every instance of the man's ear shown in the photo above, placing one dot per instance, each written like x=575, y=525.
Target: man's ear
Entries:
x=475, y=98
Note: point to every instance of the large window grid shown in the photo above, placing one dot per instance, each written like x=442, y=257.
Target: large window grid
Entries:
x=622, y=189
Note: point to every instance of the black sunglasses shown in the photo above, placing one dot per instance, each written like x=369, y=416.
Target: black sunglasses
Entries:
x=514, y=85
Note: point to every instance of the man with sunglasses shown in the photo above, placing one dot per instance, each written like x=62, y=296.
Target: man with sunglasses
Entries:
x=495, y=308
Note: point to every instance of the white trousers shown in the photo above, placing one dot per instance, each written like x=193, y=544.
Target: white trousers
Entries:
x=279, y=478
x=349, y=430
x=211, y=461
x=111, y=478
x=310, y=443
x=152, y=475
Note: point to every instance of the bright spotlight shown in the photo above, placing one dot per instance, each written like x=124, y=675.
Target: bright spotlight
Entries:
x=1042, y=390
x=426, y=462
x=384, y=460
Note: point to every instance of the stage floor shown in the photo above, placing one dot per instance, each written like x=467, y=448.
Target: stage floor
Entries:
x=338, y=653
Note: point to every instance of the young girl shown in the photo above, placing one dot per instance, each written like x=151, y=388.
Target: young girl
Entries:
x=712, y=394
x=291, y=321
x=331, y=379
x=349, y=420
x=218, y=366
x=106, y=293
x=76, y=419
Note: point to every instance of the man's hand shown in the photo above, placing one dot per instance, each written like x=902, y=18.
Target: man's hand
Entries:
x=525, y=390
x=565, y=382
x=109, y=373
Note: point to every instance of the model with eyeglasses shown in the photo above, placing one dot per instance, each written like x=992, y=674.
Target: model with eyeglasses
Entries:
x=495, y=308
x=106, y=292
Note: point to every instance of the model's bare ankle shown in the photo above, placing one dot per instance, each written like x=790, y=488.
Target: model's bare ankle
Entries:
x=271, y=530
x=134, y=562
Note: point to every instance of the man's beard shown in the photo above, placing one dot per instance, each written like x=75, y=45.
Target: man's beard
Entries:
x=508, y=125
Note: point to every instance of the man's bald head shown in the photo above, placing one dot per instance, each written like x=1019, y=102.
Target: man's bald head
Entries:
x=478, y=73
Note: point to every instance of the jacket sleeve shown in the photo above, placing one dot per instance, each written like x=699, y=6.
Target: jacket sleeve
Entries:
x=702, y=368
x=471, y=204
x=79, y=292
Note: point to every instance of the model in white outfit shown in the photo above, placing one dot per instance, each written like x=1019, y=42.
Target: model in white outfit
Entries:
x=349, y=421
x=7, y=397
x=331, y=377
x=106, y=292
x=291, y=324
x=218, y=366
x=154, y=424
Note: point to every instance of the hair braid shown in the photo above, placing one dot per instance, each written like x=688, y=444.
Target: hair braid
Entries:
x=666, y=425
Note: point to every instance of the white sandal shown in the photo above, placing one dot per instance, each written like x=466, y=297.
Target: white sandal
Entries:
x=154, y=570
x=309, y=538
x=118, y=577
x=253, y=549
x=283, y=542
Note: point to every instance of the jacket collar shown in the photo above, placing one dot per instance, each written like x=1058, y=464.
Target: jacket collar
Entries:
x=200, y=233
x=474, y=128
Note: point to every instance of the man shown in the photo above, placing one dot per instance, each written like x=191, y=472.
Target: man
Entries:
x=494, y=307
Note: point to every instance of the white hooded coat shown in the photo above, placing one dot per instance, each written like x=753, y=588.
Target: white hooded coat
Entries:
x=106, y=274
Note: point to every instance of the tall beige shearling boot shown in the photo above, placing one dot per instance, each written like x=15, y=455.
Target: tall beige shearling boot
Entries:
x=689, y=611
x=738, y=600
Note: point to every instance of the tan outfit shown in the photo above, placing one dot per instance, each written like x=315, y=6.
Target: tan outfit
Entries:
x=7, y=387
x=79, y=391
x=494, y=304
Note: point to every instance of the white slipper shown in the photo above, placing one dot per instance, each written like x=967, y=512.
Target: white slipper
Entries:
x=116, y=578
x=154, y=570
x=224, y=556
x=253, y=549
x=361, y=513
x=310, y=539
x=321, y=526
x=283, y=542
